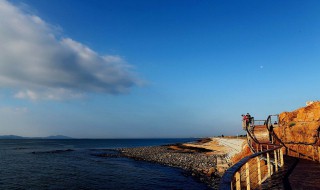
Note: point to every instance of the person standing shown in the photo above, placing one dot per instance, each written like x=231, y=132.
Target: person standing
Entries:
x=244, y=121
x=249, y=119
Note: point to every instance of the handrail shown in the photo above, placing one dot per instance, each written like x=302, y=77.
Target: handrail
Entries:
x=249, y=132
x=232, y=177
x=251, y=136
x=270, y=129
x=251, y=171
x=259, y=121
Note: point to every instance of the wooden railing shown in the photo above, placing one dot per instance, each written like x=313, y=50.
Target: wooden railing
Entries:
x=252, y=170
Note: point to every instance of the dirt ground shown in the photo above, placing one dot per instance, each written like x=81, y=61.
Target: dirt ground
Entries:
x=219, y=146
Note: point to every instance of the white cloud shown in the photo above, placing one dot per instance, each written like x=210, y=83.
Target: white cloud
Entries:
x=38, y=65
x=48, y=94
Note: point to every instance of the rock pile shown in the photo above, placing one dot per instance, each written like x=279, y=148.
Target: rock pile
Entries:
x=200, y=165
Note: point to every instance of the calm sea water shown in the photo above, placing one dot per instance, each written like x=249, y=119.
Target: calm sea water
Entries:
x=20, y=168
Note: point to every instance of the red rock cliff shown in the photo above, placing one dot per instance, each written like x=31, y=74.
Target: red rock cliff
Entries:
x=299, y=130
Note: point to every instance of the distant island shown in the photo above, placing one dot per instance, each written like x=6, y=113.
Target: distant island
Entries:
x=49, y=137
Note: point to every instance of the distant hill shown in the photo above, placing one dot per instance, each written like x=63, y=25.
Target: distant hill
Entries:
x=19, y=137
x=10, y=137
x=57, y=137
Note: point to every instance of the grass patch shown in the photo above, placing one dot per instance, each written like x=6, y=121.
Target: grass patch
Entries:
x=291, y=124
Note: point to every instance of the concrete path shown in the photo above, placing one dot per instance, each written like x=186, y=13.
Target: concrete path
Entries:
x=306, y=175
x=297, y=174
x=234, y=145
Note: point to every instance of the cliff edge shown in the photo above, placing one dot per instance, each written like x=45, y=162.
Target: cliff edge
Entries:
x=299, y=130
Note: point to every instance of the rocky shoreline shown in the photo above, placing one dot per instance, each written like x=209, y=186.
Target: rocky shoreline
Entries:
x=197, y=163
x=206, y=160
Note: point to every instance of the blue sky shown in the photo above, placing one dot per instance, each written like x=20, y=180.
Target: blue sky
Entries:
x=148, y=69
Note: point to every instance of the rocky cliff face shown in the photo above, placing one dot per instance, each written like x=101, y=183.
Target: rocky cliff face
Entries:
x=299, y=130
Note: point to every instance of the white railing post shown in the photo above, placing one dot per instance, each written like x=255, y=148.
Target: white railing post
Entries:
x=247, y=176
x=268, y=164
x=278, y=153
x=259, y=170
x=238, y=181
x=276, y=159
x=281, y=157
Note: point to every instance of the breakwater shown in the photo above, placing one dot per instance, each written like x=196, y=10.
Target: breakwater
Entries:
x=199, y=163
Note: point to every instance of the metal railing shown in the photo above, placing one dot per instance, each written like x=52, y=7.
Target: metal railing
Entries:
x=253, y=141
x=259, y=122
x=251, y=171
x=253, y=123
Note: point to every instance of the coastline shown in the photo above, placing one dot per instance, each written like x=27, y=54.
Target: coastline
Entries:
x=207, y=159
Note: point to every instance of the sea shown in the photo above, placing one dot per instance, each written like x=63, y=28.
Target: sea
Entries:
x=74, y=164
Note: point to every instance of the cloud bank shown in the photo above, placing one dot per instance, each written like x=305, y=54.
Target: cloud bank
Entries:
x=36, y=64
